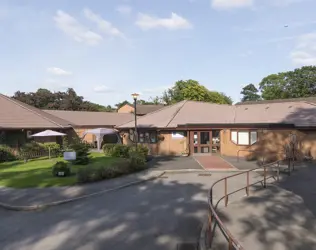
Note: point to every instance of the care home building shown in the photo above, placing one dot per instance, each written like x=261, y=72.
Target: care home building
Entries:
x=257, y=129
x=18, y=121
x=205, y=128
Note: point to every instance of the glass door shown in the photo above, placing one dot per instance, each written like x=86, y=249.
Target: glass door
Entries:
x=202, y=142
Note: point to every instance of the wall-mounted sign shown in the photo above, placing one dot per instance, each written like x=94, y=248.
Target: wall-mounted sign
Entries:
x=70, y=156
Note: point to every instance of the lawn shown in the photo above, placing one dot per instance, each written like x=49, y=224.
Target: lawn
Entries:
x=38, y=172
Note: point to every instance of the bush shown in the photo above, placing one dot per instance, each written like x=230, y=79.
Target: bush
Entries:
x=142, y=149
x=116, y=150
x=32, y=150
x=6, y=154
x=137, y=160
x=82, y=152
x=55, y=149
x=108, y=149
x=61, y=167
x=90, y=174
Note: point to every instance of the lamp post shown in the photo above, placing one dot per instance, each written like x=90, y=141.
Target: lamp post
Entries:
x=135, y=95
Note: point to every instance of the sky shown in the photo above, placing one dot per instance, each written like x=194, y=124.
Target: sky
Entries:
x=108, y=49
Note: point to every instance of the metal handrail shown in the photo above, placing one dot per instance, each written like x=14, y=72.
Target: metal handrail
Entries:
x=232, y=241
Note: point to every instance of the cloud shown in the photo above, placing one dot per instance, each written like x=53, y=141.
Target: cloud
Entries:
x=102, y=89
x=231, y=4
x=124, y=9
x=305, y=51
x=58, y=71
x=175, y=22
x=71, y=27
x=103, y=25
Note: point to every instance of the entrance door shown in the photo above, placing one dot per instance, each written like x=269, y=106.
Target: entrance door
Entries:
x=201, y=142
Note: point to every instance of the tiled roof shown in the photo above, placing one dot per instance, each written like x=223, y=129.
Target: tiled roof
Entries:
x=15, y=114
x=85, y=118
x=191, y=112
x=147, y=108
x=311, y=99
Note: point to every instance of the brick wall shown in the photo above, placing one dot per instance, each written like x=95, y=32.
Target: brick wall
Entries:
x=125, y=109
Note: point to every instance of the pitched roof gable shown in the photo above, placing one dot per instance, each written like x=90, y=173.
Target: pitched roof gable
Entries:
x=16, y=114
x=87, y=118
x=192, y=112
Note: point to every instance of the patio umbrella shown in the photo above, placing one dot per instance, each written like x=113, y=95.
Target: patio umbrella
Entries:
x=48, y=133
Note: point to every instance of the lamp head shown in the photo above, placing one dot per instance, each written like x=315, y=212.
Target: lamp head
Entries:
x=135, y=95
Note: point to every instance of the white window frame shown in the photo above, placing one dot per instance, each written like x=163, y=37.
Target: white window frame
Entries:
x=235, y=137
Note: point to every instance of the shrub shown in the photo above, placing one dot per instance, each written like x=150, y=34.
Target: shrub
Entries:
x=82, y=152
x=55, y=149
x=6, y=154
x=137, y=160
x=32, y=150
x=116, y=150
x=61, y=167
x=108, y=149
x=142, y=149
x=88, y=174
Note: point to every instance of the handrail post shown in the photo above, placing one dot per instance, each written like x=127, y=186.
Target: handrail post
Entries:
x=210, y=227
x=289, y=164
x=226, y=197
x=211, y=196
x=264, y=176
x=230, y=244
x=278, y=172
x=247, y=188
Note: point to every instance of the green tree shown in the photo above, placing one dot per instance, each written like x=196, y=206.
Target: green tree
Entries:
x=250, y=93
x=69, y=100
x=292, y=84
x=121, y=104
x=192, y=90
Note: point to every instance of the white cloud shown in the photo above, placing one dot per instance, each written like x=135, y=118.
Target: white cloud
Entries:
x=156, y=90
x=305, y=50
x=124, y=9
x=71, y=27
x=231, y=4
x=147, y=22
x=103, y=25
x=58, y=71
x=102, y=89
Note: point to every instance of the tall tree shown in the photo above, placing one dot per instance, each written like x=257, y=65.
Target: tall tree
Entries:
x=292, y=84
x=192, y=90
x=250, y=93
x=69, y=100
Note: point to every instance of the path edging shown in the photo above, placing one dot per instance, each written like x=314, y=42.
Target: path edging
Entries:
x=60, y=202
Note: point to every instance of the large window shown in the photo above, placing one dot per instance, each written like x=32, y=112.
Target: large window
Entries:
x=147, y=136
x=244, y=137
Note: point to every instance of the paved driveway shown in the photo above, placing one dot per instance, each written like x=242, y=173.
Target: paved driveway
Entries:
x=174, y=163
x=156, y=215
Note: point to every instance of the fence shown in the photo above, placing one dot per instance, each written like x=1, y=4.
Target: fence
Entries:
x=213, y=216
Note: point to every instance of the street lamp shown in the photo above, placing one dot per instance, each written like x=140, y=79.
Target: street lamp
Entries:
x=135, y=95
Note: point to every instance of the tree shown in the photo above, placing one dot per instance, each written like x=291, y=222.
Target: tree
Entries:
x=292, y=84
x=121, y=104
x=192, y=90
x=69, y=100
x=250, y=93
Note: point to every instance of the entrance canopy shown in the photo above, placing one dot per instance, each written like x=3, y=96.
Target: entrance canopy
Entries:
x=100, y=133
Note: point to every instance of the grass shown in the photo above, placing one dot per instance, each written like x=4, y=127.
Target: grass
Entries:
x=38, y=172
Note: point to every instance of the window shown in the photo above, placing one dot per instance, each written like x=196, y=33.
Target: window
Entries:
x=244, y=137
x=147, y=137
x=177, y=135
